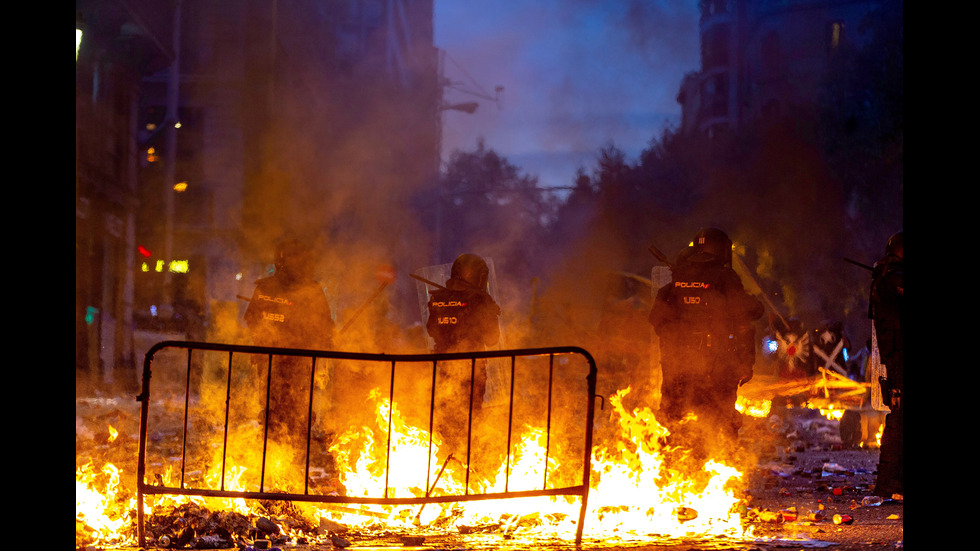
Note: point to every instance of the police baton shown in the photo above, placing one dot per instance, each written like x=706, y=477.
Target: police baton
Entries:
x=762, y=293
x=660, y=256
x=386, y=275
x=861, y=264
x=426, y=281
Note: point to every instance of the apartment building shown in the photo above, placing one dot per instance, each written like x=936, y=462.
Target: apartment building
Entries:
x=765, y=57
x=206, y=129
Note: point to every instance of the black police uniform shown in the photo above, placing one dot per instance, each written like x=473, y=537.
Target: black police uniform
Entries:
x=289, y=312
x=886, y=312
x=463, y=317
x=703, y=319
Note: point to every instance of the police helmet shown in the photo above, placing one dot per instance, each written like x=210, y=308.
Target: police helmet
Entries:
x=472, y=269
x=294, y=258
x=894, y=246
x=713, y=242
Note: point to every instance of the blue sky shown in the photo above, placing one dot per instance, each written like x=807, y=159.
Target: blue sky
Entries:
x=576, y=75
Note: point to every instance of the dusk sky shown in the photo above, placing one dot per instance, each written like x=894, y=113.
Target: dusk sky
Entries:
x=576, y=75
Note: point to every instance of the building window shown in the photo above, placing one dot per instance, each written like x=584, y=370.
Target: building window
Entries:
x=715, y=94
x=714, y=47
x=835, y=36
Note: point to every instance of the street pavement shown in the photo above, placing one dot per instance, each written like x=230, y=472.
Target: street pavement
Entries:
x=830, y=482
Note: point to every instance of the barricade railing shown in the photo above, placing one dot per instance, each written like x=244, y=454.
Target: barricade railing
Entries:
x=562, y=387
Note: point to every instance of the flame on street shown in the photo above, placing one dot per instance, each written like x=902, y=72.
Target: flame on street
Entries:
x=631, y=494
x=634, y=495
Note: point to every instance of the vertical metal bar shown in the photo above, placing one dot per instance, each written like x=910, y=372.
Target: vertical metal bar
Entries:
x=469, y=423
x=510, y=423
x=432, y=406
x=587, y=460
x=309, y=426
x=265, y=435
x=187, y=397
x=144, y=399
x=391, y=405
x=255, y=352
x=224, y=443
x=547, y=435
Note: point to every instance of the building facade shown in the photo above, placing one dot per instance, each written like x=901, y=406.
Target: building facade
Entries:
x=765, y=58
x=116, y=47
x=206, y=130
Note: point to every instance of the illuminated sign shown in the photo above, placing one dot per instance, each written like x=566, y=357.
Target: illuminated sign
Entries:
x=175, y=266
x=179, y=266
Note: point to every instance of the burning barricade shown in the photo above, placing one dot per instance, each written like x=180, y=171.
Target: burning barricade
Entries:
x=211, y=482
x=247, y=488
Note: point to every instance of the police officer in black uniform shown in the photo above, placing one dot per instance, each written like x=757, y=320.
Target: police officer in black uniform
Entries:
x=703, y=319
x=289, y=309
x=886, y=314
x=463, y=317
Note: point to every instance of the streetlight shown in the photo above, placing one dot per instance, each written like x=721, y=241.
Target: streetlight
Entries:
x=466, y=107
x=79, y=24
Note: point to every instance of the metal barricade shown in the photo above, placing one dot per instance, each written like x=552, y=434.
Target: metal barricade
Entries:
x=555, y=381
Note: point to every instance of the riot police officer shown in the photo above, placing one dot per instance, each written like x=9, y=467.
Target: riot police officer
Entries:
x=703, y=319
x=885, y=310
x=463, y=317
x=289, y=309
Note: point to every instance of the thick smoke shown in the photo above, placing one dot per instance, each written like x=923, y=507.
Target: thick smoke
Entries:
x=331, y=169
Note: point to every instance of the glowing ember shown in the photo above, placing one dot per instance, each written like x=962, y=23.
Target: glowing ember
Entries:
x=753, y=408
x=832, y=413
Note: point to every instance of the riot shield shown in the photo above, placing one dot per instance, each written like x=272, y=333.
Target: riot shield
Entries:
x=659, y=276
x=875, y=373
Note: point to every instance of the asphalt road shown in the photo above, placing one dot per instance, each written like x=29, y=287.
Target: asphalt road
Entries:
x=831, y=482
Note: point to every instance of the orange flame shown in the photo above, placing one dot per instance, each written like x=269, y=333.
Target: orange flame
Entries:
x=633, y=495
x=99, y=517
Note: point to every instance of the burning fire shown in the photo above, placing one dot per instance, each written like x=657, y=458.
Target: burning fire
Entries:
x=100, y=517
x=630, y=496
x=753, y=408
x=634, y=494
